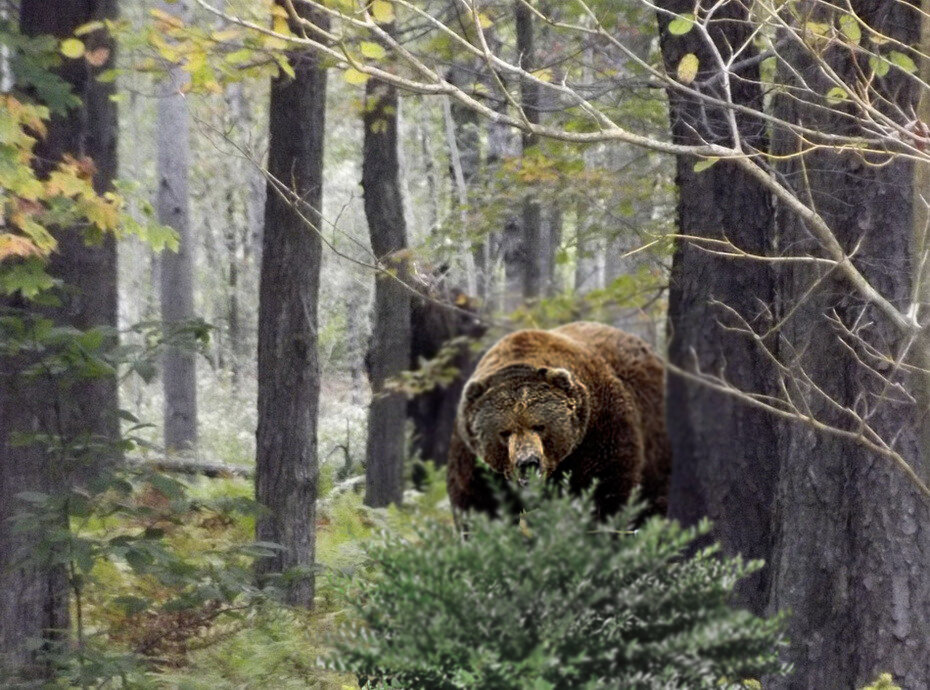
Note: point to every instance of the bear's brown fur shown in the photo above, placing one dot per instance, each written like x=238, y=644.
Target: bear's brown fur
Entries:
x=584, y=399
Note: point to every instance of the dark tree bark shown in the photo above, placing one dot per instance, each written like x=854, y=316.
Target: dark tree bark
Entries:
x=853, y=542
x=723, y=451
x=34, y=604
x=532, y=241
x=288, y=358
x=179, y=375
x=389, y=348
x=433, y=325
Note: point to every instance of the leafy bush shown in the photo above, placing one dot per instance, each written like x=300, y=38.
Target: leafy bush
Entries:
x=555, y=601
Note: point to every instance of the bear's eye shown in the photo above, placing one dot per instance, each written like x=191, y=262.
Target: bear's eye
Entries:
x=506, y=434
x=538, y=428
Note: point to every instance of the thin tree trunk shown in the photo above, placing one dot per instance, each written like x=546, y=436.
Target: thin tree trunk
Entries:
x=852, y=546
x=921, y=204
x=179, y=376
x=723, y=451
x=465, y=159
x=389, y=349
x=532, y=213
x=553, y=240
x=504, y=242
x=288, y=360
x=233, y=319
x=589, y=251
x=34, y=604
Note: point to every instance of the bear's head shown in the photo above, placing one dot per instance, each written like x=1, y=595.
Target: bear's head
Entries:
x=524, y=417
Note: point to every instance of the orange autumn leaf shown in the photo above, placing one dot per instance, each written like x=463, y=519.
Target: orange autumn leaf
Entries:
x=98, y=56
x=15, y=245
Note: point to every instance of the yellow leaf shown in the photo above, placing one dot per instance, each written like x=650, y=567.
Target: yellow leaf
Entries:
x=38, y=235
x=353, y=76
x=171, y=20
x=14, y=245
x=72, y=48
x=372, y=50
x=382, y=11
x=543, y=74
x=484, y=21
x=688, y=68
x=225, y=35
x=88, y=27
x=281, y=26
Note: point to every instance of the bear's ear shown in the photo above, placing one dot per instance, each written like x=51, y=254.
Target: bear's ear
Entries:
x=473, y=390
x=560, y=378
x=563, y=380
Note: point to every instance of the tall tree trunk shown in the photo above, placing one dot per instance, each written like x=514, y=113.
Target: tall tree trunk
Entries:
x=288, y=359
x=723, y=451
x=589, y=251
x=433, y=325
x=531, y=251
x=921, y=204
x=465, y=158
x=389, y=349
x=552, y=241
x=853, y=534
x=505, y=242
x=34, y=604
x=179, y=376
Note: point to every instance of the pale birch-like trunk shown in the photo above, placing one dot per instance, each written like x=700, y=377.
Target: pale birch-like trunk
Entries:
x=179, y=374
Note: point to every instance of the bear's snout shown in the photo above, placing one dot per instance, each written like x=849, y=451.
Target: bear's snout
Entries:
x=526, y=452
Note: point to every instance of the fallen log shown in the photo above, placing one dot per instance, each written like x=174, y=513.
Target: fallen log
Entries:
x=210, y=469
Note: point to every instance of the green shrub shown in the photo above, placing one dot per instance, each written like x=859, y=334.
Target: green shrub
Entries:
x=556, y=601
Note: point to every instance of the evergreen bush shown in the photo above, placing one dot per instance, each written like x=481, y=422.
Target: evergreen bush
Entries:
x=556, y=600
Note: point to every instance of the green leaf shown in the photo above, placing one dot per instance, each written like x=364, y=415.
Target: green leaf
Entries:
x=704, y=164
x=849, y=25
x=28, y=278
x=353, y=76
x=905, y=62
x=375, y=51
x=382, y=11
x=72, y=48
x=285, y=66
x=681, y=25
x=818, y=28
x=688, y=68
x=879, y=65
x=837, y=95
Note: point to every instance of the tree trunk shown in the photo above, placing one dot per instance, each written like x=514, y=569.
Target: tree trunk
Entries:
x=465, y=158
x=853, y=534
x=433, y=326
x=389, y=348
x=179, y=376
x=723, y=451
x=532, y=241
x=34, y=604
x=553, y=240
x=506, y=241
x=288, y=359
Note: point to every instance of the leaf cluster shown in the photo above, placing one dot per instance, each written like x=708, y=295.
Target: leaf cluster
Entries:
x=558, y=600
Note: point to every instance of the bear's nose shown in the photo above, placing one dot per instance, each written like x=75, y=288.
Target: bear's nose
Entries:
x=523, y=467
x=529, y=461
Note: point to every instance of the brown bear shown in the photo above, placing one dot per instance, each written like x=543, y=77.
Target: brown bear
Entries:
x=584, y=399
